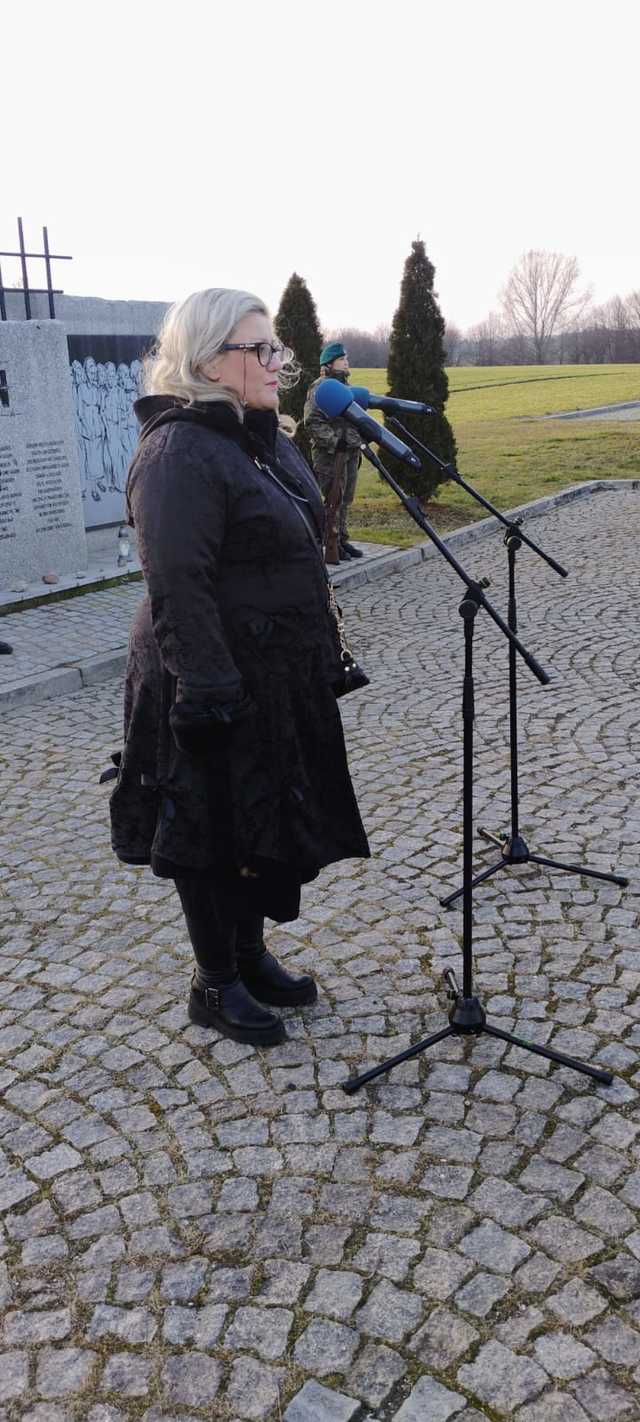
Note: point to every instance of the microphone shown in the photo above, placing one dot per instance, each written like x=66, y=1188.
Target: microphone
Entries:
x=335, y=400
x=369, y=401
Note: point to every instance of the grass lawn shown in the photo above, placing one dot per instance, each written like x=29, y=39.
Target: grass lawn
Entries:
x=504, y=448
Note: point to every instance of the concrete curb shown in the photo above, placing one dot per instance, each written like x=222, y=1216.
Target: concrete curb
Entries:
x=62, y=681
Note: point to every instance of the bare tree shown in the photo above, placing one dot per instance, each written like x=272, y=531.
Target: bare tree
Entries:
x=452, y=343
x=540, y=299
x=487, y=339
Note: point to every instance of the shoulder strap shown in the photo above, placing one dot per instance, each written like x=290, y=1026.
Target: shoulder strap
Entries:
x=297, y=501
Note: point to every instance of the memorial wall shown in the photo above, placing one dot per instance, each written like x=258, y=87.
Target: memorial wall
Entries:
x=41, y=509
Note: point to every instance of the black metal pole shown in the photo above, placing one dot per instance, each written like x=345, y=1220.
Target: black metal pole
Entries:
x=513, y=544
x=3, y=308
x=25, y=277
x=468, y=610
x=47, y=262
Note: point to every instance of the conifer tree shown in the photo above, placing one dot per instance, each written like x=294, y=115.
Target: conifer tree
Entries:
x=416, y=370
x=297, y=326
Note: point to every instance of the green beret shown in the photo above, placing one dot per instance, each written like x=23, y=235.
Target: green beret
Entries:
x=331, y=352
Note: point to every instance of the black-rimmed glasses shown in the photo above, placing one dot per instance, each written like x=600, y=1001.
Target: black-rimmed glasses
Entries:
x=265, y=350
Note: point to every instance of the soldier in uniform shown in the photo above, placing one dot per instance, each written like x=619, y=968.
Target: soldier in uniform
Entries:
x=332, y=437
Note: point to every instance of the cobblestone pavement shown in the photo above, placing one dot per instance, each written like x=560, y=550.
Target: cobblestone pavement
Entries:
x=193, y=1229
x=89, y=631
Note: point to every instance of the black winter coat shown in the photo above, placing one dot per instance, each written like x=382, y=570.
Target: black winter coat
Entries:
x=234, y=754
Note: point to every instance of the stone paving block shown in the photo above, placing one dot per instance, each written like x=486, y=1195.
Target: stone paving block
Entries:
x=14, y=1374
x=132, y=1325
x=480, y=1294
x=615, y=1341
x=447, y=1182
x=564, y=1240
x=601, y=1210
x=254, y=1388
x=443, y=1340
x=604, y=1399
x=265, y=1331
x=562, y=1356
x=15, y=1186
x=387, y=1254
x=577, y=1303
x=315, y=1403
x=127, y=1374
x=505, y=1202
x=192, y=1379
x=375, y=1372
x=429, y=1401
x=326, y=1348
x=62, y=1371
x=620, y=1277
x=43, y=1326
x=553, y=1407
x=490, y=1244
x=390, y=1313
x=199, y=1326
x=336, y=1293
x=501, y=1378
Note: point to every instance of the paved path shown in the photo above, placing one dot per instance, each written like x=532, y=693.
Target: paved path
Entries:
x=78, y=641
x=193, y=1229
x=630, y=410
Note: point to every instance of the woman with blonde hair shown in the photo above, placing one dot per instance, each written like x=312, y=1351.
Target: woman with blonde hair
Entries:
x=233, y=780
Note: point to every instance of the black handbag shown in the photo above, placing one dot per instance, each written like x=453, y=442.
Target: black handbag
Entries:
x=353, y=677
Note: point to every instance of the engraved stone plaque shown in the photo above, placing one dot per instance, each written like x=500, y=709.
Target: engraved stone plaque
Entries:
x=41, y=517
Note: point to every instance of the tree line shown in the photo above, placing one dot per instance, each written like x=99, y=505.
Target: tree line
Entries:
x=599, y=335
x=544, y=317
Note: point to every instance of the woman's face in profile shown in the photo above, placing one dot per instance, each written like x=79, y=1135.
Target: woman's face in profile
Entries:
x=255, y=384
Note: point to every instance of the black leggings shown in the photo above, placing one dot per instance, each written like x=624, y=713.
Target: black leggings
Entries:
x=220, y=930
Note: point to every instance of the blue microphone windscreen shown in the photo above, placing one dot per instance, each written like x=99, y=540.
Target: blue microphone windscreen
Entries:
x=332, y=397
x=361, y=395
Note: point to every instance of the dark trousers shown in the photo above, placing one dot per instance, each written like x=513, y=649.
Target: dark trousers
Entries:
x=220, y=929
x=324, y=469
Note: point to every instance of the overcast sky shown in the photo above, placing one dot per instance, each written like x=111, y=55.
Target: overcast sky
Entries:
x=171, y=147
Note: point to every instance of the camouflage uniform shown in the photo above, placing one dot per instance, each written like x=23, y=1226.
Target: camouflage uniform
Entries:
x=324, y=435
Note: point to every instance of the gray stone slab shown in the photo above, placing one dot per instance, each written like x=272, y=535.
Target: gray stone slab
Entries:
x=315, y=1403
x=41, y=514
x=429, y=1401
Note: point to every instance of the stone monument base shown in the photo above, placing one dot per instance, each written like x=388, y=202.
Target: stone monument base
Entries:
x=42, y=533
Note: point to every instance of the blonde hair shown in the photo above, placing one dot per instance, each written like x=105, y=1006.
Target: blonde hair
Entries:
x=288, y=425
x=191, y=336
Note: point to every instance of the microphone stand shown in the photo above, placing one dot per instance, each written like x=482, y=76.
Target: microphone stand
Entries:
x=467, y=1017
x=513, y=848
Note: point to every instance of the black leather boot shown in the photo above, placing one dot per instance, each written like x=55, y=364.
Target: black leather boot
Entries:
x=263, y=975
x=218, y=998
x=234, y=1012
x=269, y=982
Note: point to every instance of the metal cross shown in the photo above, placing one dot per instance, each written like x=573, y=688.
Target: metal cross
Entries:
x=47, y=257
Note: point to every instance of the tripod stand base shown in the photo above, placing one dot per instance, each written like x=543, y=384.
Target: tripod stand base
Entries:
x=468, y=1018
x=516, y=851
